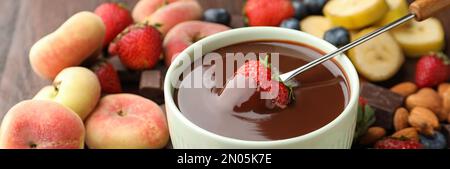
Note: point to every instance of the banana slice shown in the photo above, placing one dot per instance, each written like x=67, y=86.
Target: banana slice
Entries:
x=378, y=59
x=355, y=14
x=419, y=38
x=316, y=25
x=397, y=9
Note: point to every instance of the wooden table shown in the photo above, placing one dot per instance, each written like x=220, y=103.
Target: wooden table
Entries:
x=23, y=22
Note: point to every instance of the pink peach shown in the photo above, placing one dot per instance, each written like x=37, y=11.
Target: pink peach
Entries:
x=79, y=37
x=145, y=8
x=126, y=121
x=41, y=124
x=185, y=34
x=170, y=15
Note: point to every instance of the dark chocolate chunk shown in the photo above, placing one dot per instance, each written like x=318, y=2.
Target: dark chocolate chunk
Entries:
x=446, y=132
x=127, y=77
x=151, y=85
x=383, y=101
x=115, y=61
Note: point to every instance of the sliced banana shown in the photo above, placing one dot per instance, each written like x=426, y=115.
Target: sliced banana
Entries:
x=420, y=38
x=378, y=59
x=316, y=25
x=397, y=9
x=355, y=14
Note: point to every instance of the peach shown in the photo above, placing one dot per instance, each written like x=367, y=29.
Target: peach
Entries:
x=43, y=125
x=170, y=15
x=77, y=88
x=185, y=34
x=72, y=43
x=145, y=8
x=126, y=121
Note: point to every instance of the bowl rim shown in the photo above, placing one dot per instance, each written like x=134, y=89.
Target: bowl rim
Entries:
x=343, y=63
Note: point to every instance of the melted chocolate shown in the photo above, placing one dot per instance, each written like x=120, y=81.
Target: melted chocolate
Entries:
x=321, y=96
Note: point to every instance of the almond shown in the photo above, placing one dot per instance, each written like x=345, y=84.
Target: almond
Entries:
x=372, y=135
x=401, y=119
x=425, y=97
x=444, y=114
x=410, y=133
x=423, y=120
x=405, y=88
x=442, y=88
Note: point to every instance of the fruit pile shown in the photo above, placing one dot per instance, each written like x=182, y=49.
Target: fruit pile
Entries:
x=91, y=59
x=341, y=21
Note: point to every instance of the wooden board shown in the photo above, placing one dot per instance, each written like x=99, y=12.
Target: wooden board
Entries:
x=23, y=22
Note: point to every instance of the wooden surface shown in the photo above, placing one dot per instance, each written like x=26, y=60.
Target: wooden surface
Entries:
x=23, y=22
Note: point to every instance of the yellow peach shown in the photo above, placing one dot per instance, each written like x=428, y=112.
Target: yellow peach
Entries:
x=72, y=43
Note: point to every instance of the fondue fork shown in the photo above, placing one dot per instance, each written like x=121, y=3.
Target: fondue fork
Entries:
x=420, y=10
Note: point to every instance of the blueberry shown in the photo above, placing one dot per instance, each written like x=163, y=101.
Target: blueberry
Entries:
x=315, y=6
x=217, y=15
x=437, y=141
x=300, y=9
x=290, y=23
x=338, y=36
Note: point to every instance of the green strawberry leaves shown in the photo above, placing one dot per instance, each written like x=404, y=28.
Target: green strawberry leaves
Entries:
x=365, y=118
x=443, y=57
x=276, y=76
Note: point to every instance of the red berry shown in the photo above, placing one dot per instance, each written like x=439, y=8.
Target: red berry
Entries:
x=115, y=17
x=431, y=70
x=262, y=75
x=139, y=47
x=257, y=71
x=268, y=12
x=283, y=97
x=362, y=101
x=394, y=143
x=108, y=77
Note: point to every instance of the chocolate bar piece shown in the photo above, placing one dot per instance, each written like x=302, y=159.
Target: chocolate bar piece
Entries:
x=446, y=132
x=151, y=85
x=126, y=76
x=383, y=101
x=115, y=61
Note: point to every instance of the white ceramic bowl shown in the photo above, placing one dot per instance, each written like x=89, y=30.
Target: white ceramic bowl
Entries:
x=336, y=134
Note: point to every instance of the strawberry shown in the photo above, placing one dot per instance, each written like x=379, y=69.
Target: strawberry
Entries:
x=362, y=101
x=258, y=71
x=108, y=77
x=283, y=95
x=395, y=143
x=115, y=17
x=139, y=47
x=268, y=12
x=431, y=70
x=261, y=73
